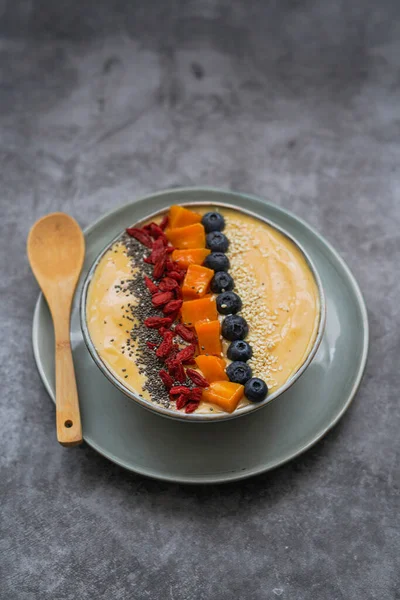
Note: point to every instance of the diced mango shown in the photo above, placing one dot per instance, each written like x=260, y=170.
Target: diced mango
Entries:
x=191, y=236
x=199, y=310
x=179, y=216
x=209, y=337
x=194, y=256
x=196, y=282
x=212, y=367
x=225, y=394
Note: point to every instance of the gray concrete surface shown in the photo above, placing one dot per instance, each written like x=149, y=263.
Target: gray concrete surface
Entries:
x=295, y=100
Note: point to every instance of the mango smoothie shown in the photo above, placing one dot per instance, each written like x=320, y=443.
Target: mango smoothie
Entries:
x=266, y=318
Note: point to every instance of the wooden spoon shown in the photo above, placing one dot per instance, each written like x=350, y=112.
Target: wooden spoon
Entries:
x=56, y=249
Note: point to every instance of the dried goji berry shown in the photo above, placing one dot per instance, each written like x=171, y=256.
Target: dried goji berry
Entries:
x=172, y=306
x=166, y=379
x=140, y=235
x=156, y=231
x=179, y=389
x=151, y=286
x=175, y=368
x=185, y=333
x=196, y=394
x=181, y=401
x=187, y=353
x=159, y=267
x=158, y=244
x=164, y=222
x=191, y=406
x=157, y=252
x=151, y=345
x=162, y=331
x=166, y=345
x=157, y=322
x=174, y=315
x=161, y=298
x=169, y=249
x=167, y=284
x=179, y=277
x=197, y=378
x=174, y=266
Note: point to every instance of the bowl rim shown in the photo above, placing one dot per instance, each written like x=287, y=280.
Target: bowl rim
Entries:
x=202, y=417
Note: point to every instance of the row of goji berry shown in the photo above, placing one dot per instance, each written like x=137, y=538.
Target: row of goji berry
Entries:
x=167, y=297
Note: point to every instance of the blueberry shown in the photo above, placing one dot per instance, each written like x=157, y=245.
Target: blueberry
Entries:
x=228, y=303
x=217, y=261
x=221, y=282
x=240, y=350
x=213, y=221
x=239, y=372
x=217, y=241
x=255, y=389
x=234, y=327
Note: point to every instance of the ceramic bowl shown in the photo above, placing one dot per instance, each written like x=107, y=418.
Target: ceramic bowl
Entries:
x=215, y=416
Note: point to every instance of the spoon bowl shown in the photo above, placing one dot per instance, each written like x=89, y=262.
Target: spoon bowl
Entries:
x=56, y=250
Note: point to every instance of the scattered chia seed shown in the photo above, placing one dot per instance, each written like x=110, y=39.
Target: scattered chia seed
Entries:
x=148, y=363
x=137, y=311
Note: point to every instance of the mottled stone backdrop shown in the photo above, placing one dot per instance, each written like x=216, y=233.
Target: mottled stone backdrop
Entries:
x=298, y=101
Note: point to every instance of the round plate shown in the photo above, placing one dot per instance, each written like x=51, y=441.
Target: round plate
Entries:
x=152, y=445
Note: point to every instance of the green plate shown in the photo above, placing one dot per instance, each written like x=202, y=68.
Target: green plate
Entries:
x=152, y=445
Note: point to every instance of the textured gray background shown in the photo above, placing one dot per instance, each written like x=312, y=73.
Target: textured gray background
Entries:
x=295, y=100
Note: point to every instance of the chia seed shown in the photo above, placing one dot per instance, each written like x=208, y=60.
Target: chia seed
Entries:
x=148, y=363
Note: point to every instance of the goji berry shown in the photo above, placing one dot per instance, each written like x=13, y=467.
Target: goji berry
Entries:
x=197, y=378
x=191, y=406
x=187, y=353
x=156, y=232
x=158, y=244
x=157, y=322
x=151, y=286
x=181, y=401
x=166, y=345
x=157, y=252
x=161, y=298
x=151, y=345
x=179, y=277
x=162, y=331
x=172, y=306
x=185, y=333
x=196, y=394
x=175, y=368
x=164, y=222
x=159, y=267
x=166, y=379
x=174, y=315
x=140, y=235
x=167, y=284
x=179, y=389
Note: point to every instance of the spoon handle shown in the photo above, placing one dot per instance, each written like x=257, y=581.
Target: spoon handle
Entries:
x=69, y=428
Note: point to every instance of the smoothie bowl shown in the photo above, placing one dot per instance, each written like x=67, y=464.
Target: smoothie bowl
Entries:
x=203, y=312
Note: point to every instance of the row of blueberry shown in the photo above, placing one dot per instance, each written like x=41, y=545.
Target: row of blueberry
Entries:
x=234, y=327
